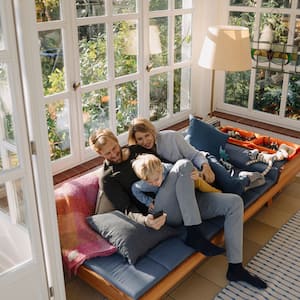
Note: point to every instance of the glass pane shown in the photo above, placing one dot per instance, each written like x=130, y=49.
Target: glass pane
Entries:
x=90, y=8
x=126, y=104
x=268, y=87
x=159, y=31
x=183, y=38
x=237, y=88
x=13, y=236
x=277, y=3
x=92, y=53
x=52, y=61
x=95, y=111
x=183, y=4
x=158, y=5
x=1, y=36
x=124, y=6
x=158, y=96
x=58, y=122
x=295, y=51
x=292, y=110
x=8, y=150
x=243, y=2
x=124, y=64
x=182, y=89
x=242, y=19
x=274, y=28
x=47, y=10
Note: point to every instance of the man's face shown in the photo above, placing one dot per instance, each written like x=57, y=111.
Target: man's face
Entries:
x=111, y=151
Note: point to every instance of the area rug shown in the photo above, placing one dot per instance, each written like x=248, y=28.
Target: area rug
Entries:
x=278, y=263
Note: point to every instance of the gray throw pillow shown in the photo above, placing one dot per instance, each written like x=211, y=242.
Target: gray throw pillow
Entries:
x=133, y=240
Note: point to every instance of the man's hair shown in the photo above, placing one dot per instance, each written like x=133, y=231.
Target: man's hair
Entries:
x=140, y=125
x=100, y=138
x=146, y=165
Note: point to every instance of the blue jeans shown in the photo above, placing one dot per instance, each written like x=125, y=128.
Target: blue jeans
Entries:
x=182, y=204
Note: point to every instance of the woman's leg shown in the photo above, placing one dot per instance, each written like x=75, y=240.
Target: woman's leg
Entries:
x=232, y=208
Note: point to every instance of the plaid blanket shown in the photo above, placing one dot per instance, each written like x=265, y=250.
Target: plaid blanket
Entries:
x=75, y=200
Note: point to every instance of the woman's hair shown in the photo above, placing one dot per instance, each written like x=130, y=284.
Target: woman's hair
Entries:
x=146, y=165
x=100, y=137
x=140, y=125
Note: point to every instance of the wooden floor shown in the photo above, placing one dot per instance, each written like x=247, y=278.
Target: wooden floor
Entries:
x=209, y=278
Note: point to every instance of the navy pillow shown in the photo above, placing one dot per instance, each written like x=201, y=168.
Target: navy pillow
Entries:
x=206, y=137
x=132, y=239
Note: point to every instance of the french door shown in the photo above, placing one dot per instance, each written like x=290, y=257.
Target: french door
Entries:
x=23, y=271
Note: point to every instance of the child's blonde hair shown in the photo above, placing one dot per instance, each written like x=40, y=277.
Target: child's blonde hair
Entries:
x=146, y=165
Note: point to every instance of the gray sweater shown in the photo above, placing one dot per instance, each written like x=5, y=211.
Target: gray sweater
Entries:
x=171, y=145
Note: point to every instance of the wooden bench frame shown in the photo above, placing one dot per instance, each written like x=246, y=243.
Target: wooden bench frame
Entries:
x=287, y=174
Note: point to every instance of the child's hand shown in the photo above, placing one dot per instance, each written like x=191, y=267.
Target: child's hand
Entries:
x=207, y=173
x=195, y=174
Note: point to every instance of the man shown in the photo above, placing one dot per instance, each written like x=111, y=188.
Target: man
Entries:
x=119, y=176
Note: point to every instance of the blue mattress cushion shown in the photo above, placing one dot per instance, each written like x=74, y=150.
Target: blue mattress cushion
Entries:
x=135, y=280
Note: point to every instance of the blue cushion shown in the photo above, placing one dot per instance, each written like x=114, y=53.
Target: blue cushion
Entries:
x=132, y=239
x=205, y=137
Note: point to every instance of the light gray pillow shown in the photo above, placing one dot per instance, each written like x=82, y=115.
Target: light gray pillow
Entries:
x=133, y=240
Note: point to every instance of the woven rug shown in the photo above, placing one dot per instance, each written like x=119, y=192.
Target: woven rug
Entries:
x=278, y=263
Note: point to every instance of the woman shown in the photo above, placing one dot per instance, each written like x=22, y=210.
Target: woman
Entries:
x=171, y=146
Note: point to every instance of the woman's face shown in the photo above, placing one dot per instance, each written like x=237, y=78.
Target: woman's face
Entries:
x=145, y=139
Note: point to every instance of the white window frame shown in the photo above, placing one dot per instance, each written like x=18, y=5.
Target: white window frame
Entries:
x=220, y=76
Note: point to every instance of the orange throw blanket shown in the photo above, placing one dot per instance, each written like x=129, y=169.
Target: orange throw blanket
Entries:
x=75, y=200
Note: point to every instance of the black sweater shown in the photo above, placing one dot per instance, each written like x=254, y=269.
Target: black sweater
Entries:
x=117, y=181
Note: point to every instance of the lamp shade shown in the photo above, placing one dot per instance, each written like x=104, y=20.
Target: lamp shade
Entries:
x=226, y=48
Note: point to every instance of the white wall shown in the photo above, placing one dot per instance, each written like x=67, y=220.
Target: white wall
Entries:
x=206, y=13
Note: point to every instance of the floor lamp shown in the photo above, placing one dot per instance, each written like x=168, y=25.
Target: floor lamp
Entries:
x=225, y=48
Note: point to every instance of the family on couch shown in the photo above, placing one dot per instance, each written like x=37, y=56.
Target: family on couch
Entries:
x=177, y=197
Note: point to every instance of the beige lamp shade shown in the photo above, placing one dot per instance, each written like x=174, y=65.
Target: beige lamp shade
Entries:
x=154, y=41
x=226, y=48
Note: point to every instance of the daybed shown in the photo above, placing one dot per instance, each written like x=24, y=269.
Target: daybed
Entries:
x=96, y=261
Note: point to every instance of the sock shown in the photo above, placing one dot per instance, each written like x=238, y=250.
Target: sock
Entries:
x=196, y=240
x=236, y=272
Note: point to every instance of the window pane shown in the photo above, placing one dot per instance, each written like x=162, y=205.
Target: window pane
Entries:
x=292, y=109
x=90, y=8
x=268, y=88
x=159, y=59
x=242, y=19
x=92, y=53
x=95, y=111
x=52, y=61
x=124, y=64
x=124, y=6
x=15, y=246
x=182, y=89
x=183, y=38
x=158, y=5
x=57, y=114
x=277, y=3
x=8, y=150
x=158, y=96
x=237, y=88
x=242, y=2
x=126, y=105
x=279, y=25
x=183, y=4
x=47, y=10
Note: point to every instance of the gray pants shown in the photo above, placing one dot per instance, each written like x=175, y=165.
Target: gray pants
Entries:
x=182, y=204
